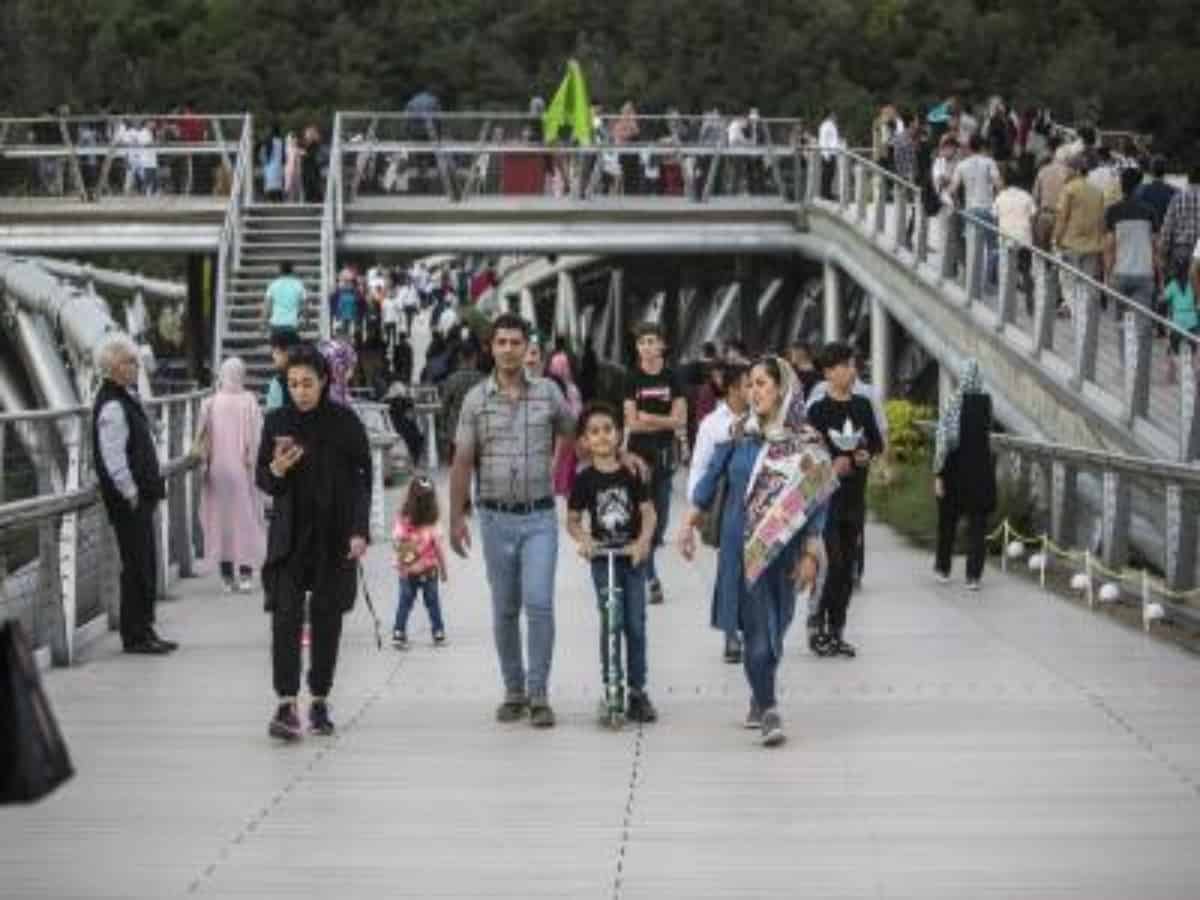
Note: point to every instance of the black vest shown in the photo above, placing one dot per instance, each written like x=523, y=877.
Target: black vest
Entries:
x=143, y=458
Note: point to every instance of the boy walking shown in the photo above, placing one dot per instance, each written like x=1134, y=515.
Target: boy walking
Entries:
x=620, y=515
x=847, y=422
x=655, y=409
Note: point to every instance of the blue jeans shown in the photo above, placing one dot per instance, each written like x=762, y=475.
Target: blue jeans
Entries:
x=630, y=614
x=521, y=552
x=427, y=585
x=758, y=658
x=660, y=487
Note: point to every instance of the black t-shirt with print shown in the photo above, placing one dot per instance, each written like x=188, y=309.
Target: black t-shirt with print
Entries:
x=828, y=415
x=653, y=394
x=612, y=501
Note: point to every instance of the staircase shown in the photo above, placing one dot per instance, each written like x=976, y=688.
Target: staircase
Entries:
x=271, y=234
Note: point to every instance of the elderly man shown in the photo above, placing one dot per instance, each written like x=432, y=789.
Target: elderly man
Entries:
x=131, y=486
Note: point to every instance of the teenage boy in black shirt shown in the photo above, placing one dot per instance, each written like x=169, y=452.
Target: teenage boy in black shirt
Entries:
x=838, y=416
x=655, y=408
x=619, y=514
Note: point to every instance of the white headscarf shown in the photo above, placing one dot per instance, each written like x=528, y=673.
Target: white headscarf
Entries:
x=232, y=378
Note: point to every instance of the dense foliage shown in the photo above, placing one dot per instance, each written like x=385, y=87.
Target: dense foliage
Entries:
x=1130, y=65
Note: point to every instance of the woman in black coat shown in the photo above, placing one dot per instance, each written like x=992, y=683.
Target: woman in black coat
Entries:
x=965, y=474
x=314, y=460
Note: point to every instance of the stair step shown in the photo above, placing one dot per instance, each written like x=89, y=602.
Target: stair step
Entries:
x=274, y=253
x=298, y=211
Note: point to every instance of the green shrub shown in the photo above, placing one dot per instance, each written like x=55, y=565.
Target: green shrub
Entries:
x=906, y=440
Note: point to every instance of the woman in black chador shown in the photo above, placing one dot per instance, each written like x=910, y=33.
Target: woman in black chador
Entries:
x=314, y=460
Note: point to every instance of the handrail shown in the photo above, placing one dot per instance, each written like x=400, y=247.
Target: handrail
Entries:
x=1037, y=252
x=1132, y=305
x=23, y=513
x=1119, y=362
x=1138, y=467
x=229, y=249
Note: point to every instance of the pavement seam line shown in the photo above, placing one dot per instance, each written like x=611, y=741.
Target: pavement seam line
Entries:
x=635, y=775
x=327, y=749
x=1098, y=702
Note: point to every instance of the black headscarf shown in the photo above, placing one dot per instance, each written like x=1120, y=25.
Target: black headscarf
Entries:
x=332, y=436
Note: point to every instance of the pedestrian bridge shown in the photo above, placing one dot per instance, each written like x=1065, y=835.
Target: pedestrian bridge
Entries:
x=472, y=183
x=1006, y=743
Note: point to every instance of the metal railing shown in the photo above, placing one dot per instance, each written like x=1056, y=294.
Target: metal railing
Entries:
x=90, y=157
x=460, y=156
x=1147, y=519
x=331, y=223
x=1137, y=369
x=229, y=250
x=57, y=554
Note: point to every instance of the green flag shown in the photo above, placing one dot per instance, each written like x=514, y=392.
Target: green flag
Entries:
x=569, y=109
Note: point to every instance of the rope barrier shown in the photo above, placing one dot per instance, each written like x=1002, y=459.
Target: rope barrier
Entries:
x=1132, y=577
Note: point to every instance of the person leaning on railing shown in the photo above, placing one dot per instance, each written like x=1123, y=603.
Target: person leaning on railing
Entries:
x=131, y=485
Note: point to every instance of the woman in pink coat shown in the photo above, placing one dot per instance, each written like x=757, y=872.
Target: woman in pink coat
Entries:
x=231, y=509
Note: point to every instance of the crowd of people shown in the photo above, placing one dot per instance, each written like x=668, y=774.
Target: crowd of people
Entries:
x=1106, y=209
x=779, y=449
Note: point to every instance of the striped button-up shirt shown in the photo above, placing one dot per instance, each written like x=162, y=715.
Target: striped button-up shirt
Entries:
x=513, y=439
x=1181, y=227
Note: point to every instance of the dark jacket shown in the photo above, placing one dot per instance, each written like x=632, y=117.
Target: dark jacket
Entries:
x=332, y=481
x=970, y=471
x=139, y=448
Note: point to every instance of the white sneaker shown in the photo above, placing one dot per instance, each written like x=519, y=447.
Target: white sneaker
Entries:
x=230, y=585
x=972, y=585
x=942, y=578
x=246, y=585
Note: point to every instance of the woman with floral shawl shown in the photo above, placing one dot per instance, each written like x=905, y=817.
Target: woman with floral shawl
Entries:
x=779, y=482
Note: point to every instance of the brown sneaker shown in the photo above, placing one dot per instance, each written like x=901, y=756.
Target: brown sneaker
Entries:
x=512, y=709
x=540, y=714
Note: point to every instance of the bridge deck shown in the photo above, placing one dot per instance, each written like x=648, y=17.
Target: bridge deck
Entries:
x=1000, y=744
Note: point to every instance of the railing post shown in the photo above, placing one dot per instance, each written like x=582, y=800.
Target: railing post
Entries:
x=843, y=168
x=1189, y=403
x=1086, y=321
x=813, y=173
x=922, y=233
x=975, y=262
x=186, y=546
x=860, y=193
x=879, y=219
x=949, y=221
x=1181, y=519
x=68, y=545
x=1138, y=363
x=1045, y=308
x=1063, y=478
x=1008, y=283
x=164, y=518
x=378, y=513
x=900, y=216
x=47, y=621
x=831, y=304
x=1114, y=520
